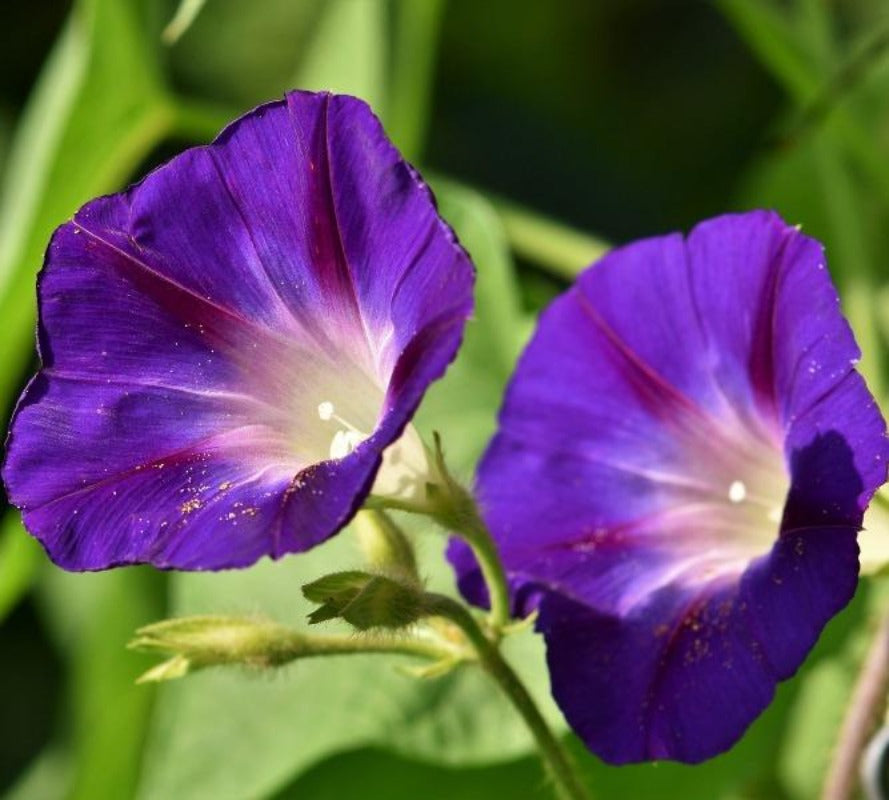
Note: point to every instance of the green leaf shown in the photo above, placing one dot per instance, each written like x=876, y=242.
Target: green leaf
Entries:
x=185, y=15
x=348, y=52
x=315, y=708
x=48, y=775
x=373, y=774
x=770, y=32
x=348, y=582
x=561, y=250
x=797, y=46
x=96, y=113
x=463, y=406
x=415, y=40
x=825, y=690
x=20, y=556
x=92, y=617
x=365, y=600
x=242, y=54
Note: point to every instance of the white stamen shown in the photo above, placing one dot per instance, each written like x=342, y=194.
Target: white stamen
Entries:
x=344, y=442
x=737, y=492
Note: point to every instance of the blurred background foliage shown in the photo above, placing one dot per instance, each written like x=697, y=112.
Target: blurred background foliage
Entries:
x=619, y=119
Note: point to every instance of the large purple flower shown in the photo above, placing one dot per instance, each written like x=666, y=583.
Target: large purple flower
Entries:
x=684, y=457
x=229, y=346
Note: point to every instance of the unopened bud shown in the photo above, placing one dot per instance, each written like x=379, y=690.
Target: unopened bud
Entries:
x=385, y=545
x=198, y=642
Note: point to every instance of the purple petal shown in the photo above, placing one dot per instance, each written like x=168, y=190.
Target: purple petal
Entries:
x=193, y=327
x=685, y=438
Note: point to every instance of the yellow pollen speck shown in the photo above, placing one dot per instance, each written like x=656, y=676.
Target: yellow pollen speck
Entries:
x=190, y=505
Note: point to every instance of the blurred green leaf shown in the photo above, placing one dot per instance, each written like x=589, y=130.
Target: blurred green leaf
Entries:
x=562, y=250
x=746, y=772
x=796, y=44
x=768, y=28
x=93, y=616
x=272, y=730
x=20, y=556
x=225, y=733
x=414, y=47
x=48, y=776
x=186, y=14
x=95, y=114
x=242, y=54
x=824, y=696
x=463, y=407
x=373, y=774
x=498, y=317
x=347, y=52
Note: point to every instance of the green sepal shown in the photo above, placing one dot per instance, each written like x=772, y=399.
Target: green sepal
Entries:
x=365, y=600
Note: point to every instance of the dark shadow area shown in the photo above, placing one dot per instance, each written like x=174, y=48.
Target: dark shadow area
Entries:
x=625, y=117
x=31, y=676
x=824, y=485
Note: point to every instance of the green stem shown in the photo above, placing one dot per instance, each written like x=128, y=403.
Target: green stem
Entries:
x=455, y=509
x=311, y=646
x=208, y=641
x=475, y=533
x=554, y=755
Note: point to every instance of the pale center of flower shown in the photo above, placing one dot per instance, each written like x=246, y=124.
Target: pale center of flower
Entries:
x=406, y=467
x=734, y=503
x=318, y=405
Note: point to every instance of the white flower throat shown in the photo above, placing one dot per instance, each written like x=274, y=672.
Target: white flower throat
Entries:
x=406, y=467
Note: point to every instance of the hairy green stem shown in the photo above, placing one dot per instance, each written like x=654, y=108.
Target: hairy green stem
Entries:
x=554, y=756
x=311, y=646
x=199, y=642
x=475, y=533
x=455, y=509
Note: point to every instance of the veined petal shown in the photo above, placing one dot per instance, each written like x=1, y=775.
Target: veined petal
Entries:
x=230, y=345
x=684, y=457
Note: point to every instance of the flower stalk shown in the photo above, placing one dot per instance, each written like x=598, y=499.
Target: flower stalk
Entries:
x=455, y=509
x=555, y=758
x=195, y=643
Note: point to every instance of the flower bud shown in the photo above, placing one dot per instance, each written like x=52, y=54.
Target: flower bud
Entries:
x=198, y=642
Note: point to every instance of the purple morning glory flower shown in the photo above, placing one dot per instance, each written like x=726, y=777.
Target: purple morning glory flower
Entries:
x=230, y=345
x=684, y=457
